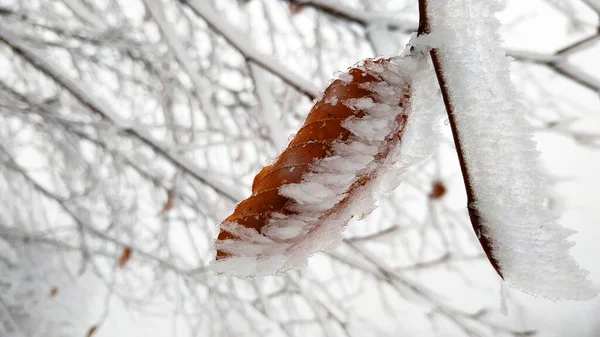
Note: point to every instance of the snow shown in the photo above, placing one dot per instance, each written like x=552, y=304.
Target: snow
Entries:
x=344, y=77
x=423, y=132
x=369, y=128
x=311, y=194
x=241, y=265
x=339, y=187
x=425, y=42
x=504, y=296
x=510, y=190
x=537, y=57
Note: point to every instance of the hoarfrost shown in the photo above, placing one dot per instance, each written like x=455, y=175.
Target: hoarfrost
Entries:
x=510, y=190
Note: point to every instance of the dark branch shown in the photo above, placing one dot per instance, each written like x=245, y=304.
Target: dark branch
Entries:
x=341, y=12
x=425, y=28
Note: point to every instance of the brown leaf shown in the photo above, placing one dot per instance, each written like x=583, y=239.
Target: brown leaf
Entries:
x=125, y=256
x=315, y=141
x=171, y=196
x=91, y=331
x=438, y=190
x=53, y=291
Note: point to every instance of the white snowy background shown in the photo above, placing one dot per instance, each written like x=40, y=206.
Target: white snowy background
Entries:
x=531, y=28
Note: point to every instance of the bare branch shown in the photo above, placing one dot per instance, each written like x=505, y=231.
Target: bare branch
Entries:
x=83, y=92
x=240, y=42
x=341, y=11
x=560, y=64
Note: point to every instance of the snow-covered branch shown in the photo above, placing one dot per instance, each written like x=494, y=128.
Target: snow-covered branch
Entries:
x=8, y=327
x=594, y=5
x=559, y=61
x=267, y=108
x=237, y=39
x=506, y=192
x=85, y=94
x=83, y=223
x=365, y=19
x=81, y=10
x=201, y=85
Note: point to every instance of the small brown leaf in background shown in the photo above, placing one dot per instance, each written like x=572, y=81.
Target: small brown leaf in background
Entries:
x=171, y=196
x=91, y=331
x=125, y=256
x=438, y=190
x=53, y=291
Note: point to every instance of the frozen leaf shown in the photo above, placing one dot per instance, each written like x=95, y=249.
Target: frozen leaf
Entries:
x=438, y=190
x=168, y=205
x=125, y=257
x=351, y=141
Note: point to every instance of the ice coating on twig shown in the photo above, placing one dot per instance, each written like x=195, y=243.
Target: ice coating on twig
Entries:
x=510, y=192
x=340, y=186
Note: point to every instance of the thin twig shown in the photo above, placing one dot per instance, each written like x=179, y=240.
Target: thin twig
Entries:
x=343, y=12
x=558, y=62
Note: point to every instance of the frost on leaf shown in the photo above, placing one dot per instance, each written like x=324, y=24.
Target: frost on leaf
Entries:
x=350, y=140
